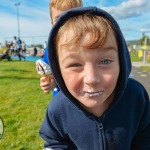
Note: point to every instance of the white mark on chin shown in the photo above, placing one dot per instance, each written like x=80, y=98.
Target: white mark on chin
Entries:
x=89, y=90
x=89, y=93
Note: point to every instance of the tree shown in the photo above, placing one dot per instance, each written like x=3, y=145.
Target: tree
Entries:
x=145, y=40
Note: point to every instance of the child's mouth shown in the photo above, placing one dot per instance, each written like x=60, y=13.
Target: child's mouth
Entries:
x=92, y=94
x=89, y=94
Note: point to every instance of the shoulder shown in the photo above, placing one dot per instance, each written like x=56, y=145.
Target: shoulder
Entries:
x=135, y=86
x=136, y=92
x=59, y=103
x=59, y=110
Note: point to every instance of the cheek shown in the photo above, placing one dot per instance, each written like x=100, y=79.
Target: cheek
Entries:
x=72, y=80
x=111, y=79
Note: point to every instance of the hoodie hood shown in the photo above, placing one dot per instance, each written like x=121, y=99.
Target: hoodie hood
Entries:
x=124, y=57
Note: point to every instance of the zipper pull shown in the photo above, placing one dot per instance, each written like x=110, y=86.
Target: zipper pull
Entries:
x=101, y=126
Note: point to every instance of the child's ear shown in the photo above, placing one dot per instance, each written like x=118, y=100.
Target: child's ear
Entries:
x=52, y=22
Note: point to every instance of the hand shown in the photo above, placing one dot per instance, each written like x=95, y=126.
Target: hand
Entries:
x=47, y=86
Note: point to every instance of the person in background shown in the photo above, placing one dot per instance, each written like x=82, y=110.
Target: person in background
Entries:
x=98, y=106
x=18, y=48
x=35, y=51
x=57, y=7
x=24, y=48
x=12, y=48
x=43, y=50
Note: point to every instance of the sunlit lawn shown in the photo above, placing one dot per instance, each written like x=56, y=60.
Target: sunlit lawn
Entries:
x=135, y=58
x=22, y=105
x=147, y=68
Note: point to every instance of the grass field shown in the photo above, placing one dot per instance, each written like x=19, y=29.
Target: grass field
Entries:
x=134, y=56
x=147, y=68
x=22, y=106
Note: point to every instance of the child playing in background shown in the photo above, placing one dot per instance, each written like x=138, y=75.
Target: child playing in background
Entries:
x=56, y=8
x=98, y=106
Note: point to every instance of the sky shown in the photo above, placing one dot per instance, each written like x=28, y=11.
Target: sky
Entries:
x=133, y=17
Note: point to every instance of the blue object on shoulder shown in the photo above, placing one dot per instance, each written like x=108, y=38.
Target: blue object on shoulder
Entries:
x=45, y=59
x=55, y=91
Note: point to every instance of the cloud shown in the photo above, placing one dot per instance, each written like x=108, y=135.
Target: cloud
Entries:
x=145, y=30
x=130, y=8
x=35, y=24
x=132, y=16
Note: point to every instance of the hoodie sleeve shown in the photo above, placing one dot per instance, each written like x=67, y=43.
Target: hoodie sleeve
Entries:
x=142, y=138
x=52, y=135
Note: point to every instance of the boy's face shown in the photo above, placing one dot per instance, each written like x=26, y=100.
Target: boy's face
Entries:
x=55, y=13
x=90, y=75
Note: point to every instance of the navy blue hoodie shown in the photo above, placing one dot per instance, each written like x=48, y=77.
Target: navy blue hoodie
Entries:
x=124, y=125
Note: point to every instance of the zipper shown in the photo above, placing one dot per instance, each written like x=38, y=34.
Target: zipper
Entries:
x=101, y=134
x=101, y=126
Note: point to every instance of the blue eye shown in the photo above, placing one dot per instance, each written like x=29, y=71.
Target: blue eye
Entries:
x=105, y=61
x=75, y=65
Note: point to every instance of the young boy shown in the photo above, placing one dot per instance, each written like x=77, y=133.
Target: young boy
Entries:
x=99, y=107
x=56, y=8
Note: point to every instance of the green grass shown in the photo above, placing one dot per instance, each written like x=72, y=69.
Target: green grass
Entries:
x=22, y=105
x=135, y=58
x=146, y=68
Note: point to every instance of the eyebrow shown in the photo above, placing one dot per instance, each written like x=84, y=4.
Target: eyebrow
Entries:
x=110, y=48
x=70, y=55
x=75, y=54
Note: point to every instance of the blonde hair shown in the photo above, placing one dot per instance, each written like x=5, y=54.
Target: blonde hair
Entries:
x=96, y=26
x=64, y=5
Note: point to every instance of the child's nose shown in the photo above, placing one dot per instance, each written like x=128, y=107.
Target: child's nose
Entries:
x=91, y=76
